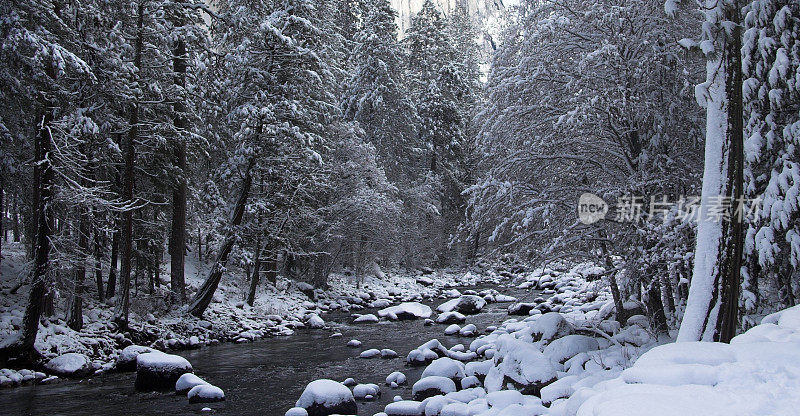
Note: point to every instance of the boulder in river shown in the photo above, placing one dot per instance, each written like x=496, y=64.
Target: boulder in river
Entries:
x=406, y=310
x=126, y=361
x=157, y=371
x=405, y=408
x=325, y=397
x=521, y=309
x=187, y=382
x=206, y=393
x=70, y=365
x=450, y=318
x=465, y=304
x=432, y=386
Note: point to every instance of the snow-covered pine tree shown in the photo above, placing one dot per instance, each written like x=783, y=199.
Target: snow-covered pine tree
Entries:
x=771, y=64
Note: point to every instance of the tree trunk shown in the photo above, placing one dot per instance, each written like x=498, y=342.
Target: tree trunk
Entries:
x=272, y=266
x=111, y=285
x=656, y=307
x=255, y=277
x=712, y=308
x=203, y=297
x=126, y=244
x=75, y=309
x=178, y=236
x=15, y=218
x=98, y=266
x=21, y=346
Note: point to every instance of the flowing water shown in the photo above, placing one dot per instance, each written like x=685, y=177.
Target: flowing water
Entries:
x=265, y=377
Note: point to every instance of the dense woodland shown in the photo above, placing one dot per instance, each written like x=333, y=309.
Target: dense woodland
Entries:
x=307, y=137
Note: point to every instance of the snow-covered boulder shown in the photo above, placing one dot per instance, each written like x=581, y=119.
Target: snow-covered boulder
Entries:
x=405, y=408
x=354, y=343
x=521, y=308
x=156, y=371
x=445, y=367
x=469, y=382
x=366, y=319
x=325, y=397
x=126, y=361
x=296, y=411
x=421, y=356
x=366, y=391
x=396, y=377
x=380, y=303
x=450, y=318
x=387, y=353
x=187, y=382
x=205, y=393
x=562, y=349
x=468, y=330
x=550, y=326
x=370, y=353
x=406, y=310
x=70, y=365
x=465, y=304
x=432, y=386
x=452, y=329
x=520, y=363
x=315, y=322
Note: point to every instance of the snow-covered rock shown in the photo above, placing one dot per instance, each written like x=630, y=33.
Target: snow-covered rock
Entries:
x=366, y=391
x=445, y=367
x=406, y=310
x=465, y=304
x=452, y=329
x=520, y=363
x=159, y=371
x=354, y=343
x=450, y=318
x=405, y=408
x=387, y=353
x=296, y=411
x=521, y=308
x=468, y=330
x=186, y=382
x=205, y=393
x=315, y=322
x=550, y=326
x=432, y=386
x=366, y=319
x=126, y=361
x=421, y=356
x=562, y=349
x=396, y=377
x=325, y=397
x=370, y=353
x=70, y=365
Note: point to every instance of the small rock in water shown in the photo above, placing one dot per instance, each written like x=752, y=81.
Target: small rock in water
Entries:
x=432, y=386
x=366, y=319
x=336, y=335
x=396, y=377
x=206, y=393
x=206, y=409
x=452, y=329
x=315, y=322
x=349, y=382
x=366, y=391
x=387, y=353
x=370, y=353
x=187, y=382
x=468, y=330
x=296, y=411
x=354, y=343
x=126, y=361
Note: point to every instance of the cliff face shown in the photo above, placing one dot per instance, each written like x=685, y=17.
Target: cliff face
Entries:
x=483, y=10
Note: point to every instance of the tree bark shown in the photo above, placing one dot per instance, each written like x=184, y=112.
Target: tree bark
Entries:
x=22, y=346
x=255, y=277
x=15, y=218
x=126, y=244
x=111, y=285
x=178, y=235
x=98, y=266
x=712, y=308
x=656, y=307
x=203, y=297
x=75, y=310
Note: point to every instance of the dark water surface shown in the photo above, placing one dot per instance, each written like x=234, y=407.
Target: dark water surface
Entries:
x=265, y=377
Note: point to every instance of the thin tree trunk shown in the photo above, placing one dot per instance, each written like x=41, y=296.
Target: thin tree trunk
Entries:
x=203, y=297
x=126, y=245
x=254, y=278
x=98, y=266
x=111, y=285
x=656, y=307
x=75, y=310
x=15, y=218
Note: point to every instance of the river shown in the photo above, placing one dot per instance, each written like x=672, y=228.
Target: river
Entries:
x=260, y=378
